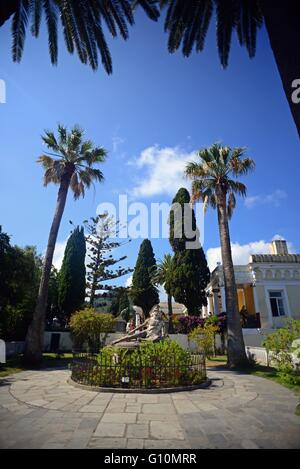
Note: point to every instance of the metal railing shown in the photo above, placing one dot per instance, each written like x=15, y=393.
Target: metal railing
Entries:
x=100, y=371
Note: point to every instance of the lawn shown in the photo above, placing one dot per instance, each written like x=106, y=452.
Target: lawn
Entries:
x=14, y=364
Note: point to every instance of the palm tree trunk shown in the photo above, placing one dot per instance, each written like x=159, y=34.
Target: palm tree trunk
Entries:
x=170, y=313
x=35, y=334
x=282, y=23
x=235, y=347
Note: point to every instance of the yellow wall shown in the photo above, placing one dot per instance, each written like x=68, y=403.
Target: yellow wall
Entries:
x=248, y=291
x=293, y=293
x=245, y=298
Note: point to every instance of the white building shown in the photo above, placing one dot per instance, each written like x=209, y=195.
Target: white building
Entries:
x=268, y=287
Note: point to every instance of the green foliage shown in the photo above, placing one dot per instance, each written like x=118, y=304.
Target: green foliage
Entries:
x=190, y=273
x=163, y=275
x=142, y=291
x=71, y=287
x=160, y=364
x=279, y=345
x=204, y=338
x=20, y=270
x=101, y=240
x=87, y=325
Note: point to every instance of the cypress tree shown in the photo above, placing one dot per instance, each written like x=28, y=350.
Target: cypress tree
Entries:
x=190, y=271
x=71, y=284
x=143, y=292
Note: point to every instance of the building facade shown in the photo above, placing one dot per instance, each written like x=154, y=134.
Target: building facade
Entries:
x=268, y=288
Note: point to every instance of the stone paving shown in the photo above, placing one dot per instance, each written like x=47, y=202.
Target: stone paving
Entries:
x=39, y=409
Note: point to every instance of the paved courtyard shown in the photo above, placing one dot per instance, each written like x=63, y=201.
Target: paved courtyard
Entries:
x=39, y=409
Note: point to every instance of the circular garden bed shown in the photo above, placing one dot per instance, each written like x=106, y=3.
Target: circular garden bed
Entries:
x=152, y=367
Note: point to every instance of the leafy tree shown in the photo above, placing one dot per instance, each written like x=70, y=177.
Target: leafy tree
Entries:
x=19, y=279
x=70, y=165
x=101, y=266
x=190, y=273
x=71, y=285
x=81, y=21
x=87, y=325
x=142, y=291
x=279, y=345
x=204, y=338
x=212, y=183
x=187, y=23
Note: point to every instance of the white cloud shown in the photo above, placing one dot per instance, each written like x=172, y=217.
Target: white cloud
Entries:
x=164, y=170
x=242, y=252
x=59, y=253
x=128, y=282
x=274, y=198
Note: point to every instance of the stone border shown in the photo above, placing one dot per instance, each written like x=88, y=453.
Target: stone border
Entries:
x=205, y=384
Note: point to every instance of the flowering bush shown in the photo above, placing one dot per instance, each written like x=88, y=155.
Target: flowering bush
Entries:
x=185, y=324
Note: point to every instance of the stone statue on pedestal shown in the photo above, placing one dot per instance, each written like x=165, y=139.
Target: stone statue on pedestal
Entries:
x=152, y=329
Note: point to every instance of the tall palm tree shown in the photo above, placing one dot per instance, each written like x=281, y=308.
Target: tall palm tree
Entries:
x=69, y=164
x=163, y=276
x=187, y=23
x=82, y=25
x=215, y=182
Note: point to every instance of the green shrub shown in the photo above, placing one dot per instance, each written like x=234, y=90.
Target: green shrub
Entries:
x=279, y=343
x=204, y=337
x=87, y=325
x=161, y=364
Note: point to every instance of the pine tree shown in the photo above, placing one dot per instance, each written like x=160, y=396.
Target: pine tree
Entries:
x=143, y=292
x=71, y=285
x=190, y=273
x=101, y=239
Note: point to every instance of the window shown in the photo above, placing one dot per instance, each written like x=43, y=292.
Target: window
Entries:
x=277, y=303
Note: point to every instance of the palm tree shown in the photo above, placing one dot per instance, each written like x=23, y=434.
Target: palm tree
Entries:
x=163, y=276
x=212, y=183
x=69, y=165
x=81, y=22
x=187, y=23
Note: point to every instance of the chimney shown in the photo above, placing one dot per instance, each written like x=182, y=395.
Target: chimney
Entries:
x=279, y=247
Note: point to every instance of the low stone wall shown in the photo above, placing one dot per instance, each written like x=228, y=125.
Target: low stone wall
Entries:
x=181, y=339
x=65, y=343
x=259, y=354
x=14, y=348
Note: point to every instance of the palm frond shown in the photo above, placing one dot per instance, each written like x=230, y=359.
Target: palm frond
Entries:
x=51, y=20
x=231, y=204
x=237, y=187
x=19, y=24
x=35, y=9
x=46, y=161
x=149, y=7
x=50, y=140
x=249, y=20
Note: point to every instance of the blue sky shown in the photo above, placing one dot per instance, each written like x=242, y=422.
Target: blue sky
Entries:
x=161, y=105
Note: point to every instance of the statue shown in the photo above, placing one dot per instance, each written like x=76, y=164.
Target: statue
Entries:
x=153, y=332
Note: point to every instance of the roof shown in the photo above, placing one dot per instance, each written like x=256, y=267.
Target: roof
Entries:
x=274, y=259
